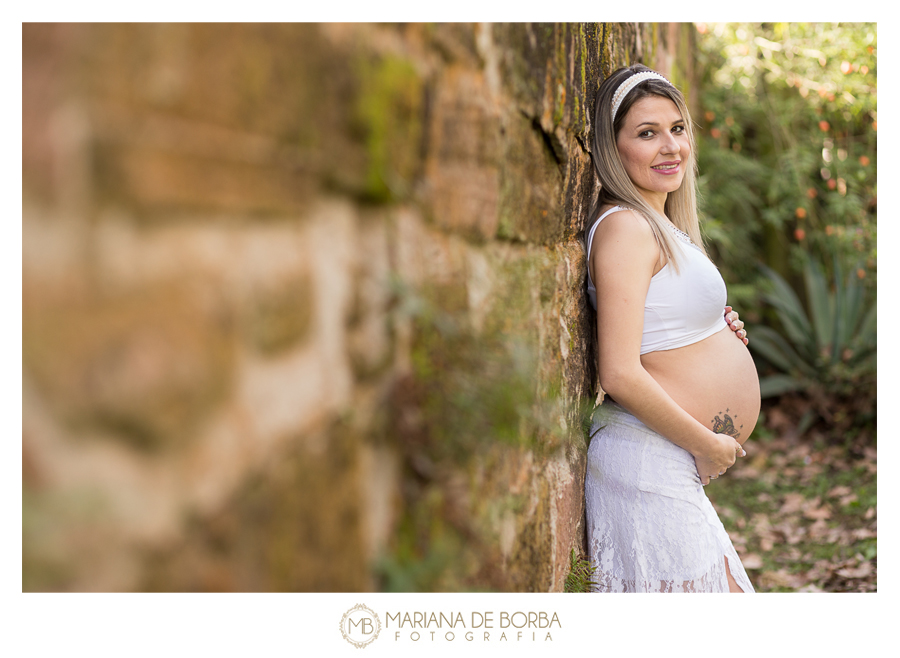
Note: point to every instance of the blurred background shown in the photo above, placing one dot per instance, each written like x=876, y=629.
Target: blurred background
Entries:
x=788, y=176
x=303, y=305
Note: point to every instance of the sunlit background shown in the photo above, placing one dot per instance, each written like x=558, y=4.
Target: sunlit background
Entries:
x=788, y=162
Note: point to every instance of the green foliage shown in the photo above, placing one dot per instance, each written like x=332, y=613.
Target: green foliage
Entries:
x=787, y=139
x=829, y=344
x=581, y=574
x=826, y=349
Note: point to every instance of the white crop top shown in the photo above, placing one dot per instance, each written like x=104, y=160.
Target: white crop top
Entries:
x=680, y=309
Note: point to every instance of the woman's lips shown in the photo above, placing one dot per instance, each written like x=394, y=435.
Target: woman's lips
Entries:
x=669, y=169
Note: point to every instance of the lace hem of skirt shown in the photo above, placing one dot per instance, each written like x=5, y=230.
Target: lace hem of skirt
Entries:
x=713, y=580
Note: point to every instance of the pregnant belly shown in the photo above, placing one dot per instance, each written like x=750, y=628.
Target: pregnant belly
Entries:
x=714, y=380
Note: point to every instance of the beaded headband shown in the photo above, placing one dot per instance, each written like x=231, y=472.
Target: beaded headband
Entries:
x=631, y=83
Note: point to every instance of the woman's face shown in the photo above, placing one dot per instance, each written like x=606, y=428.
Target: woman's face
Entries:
x=654, y=147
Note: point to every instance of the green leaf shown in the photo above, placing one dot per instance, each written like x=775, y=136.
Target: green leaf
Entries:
x=779, y=384
x=822, y=307
x=864, y=340
x=850, y=306
x=790, y=313
x=777, y=351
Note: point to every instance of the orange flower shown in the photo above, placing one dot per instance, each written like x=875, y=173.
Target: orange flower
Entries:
x=829, y=230
x=729, y=121
x=715, y=132
x=800, y=234
x=845, y=67
x=863, y=69
x=864, y=160
x=860, y=273
x=800, y=213
x=824, y=126
x=832, y=184
x=710, y=115
x=811, y=193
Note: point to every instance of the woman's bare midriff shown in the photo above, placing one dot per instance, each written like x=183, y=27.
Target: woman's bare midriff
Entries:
x=714, y=380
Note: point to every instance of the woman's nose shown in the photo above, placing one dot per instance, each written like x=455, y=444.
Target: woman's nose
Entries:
x=670, y=144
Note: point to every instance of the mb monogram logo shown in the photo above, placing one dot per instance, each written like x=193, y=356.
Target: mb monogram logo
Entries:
x=360, y=626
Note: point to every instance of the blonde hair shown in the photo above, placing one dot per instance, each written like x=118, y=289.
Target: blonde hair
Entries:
x=617, y=188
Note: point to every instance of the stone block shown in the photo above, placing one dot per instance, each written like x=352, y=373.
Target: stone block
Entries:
x=369, y=325
x=143, y=368
x=464, y=156
x=530, y=186
x=282, y=316
x=294, y=526
x=465, y=199
x=526, y=49
x=167, y=175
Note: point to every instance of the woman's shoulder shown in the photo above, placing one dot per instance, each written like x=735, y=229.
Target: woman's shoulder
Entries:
x=624, y=239
x=623, y=220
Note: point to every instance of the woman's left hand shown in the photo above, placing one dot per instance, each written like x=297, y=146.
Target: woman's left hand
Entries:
x=736, y=325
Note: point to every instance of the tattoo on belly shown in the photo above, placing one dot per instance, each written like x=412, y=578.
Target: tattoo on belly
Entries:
x=726, y=425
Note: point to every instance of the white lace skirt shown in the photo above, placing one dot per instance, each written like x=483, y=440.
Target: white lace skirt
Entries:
x=650, y=526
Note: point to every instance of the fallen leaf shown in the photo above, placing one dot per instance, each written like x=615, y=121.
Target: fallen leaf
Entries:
x=799, y=452
x=812, y=510
x=838, y=491
x=793, y=502
x=809, y=587
x=792, y=532
x=818, y=530
x=863, y=533
x=781, y=578
x=846, y=500
x=752, y=561
x=745, y=473
x=862, y=571
x=768, y=478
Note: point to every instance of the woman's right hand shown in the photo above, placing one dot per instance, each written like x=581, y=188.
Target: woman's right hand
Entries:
x=717, y=456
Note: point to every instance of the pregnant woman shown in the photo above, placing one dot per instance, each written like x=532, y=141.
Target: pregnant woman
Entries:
x=682, y=391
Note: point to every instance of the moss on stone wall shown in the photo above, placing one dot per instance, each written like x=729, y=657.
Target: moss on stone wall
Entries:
x=388, y=111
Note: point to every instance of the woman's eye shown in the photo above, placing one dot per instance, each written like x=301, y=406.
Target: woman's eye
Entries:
x=647, y=133
x=678, y=129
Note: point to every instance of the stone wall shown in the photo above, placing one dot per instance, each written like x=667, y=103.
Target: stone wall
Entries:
x=303, y=304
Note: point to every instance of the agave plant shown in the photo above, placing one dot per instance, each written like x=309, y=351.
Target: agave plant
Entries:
x=828, y=347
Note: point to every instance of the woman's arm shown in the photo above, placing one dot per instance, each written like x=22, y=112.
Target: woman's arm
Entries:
x=624, y=256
